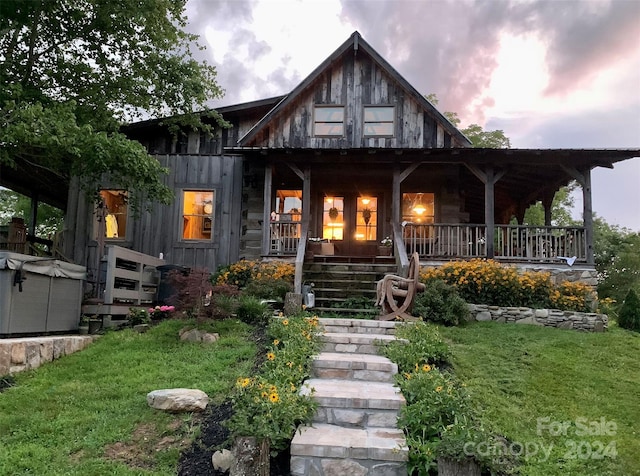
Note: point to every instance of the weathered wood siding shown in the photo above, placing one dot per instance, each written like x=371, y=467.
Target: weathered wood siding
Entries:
x=354, y=82
x=160, y=230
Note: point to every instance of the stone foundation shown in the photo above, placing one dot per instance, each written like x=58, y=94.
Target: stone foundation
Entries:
x=582, y=321
x=19, y=354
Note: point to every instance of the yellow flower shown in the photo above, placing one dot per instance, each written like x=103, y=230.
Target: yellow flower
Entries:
x=285, y=322
x=244, y=382
x=271, y=356
x=264, y=394
x=276, y=342
x=274, y=398
x=290, y=364
x=439, y=388
x=426, y=367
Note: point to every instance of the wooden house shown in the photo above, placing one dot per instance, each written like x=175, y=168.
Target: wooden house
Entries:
x=352, y=157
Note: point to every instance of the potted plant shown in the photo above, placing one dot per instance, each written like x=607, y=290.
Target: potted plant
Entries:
x=385, y=247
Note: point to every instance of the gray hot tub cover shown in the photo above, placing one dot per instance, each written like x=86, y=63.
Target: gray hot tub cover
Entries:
x=46, y=266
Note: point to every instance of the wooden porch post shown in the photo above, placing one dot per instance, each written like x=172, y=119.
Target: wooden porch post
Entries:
x=395, y=197
x=583, y=177
x=489, y=177
x=547, y=201
x=266, y=212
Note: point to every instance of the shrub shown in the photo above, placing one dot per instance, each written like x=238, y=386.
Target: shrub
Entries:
x=270, y=405
x=482, y=281
x=252, y=310
x=193, y=291
x=629, y=316
x=264, y=279
x=424, y=346
x=441, y=303
x=138, y=315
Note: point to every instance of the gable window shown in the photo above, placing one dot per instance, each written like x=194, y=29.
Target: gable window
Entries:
x=328, y=121
x=197, y=214
x=114, y=209
x=378, y=121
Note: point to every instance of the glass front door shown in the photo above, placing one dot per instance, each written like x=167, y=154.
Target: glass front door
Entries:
x=351, y=223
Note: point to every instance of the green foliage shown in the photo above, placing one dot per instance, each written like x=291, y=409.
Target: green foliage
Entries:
x=49, y=219
x=482, y=281
x=264, y=279
x=358, y=302
x=270, y=405
x=486, y=139
x=252, y=310
x=73, y=71
x=425, y=346
x=629, y=316
x=561, y=207
x=617, y=259
x=138, y=315
x=441, y=303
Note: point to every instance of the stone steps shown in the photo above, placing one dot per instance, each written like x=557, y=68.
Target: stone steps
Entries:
x=355, y=429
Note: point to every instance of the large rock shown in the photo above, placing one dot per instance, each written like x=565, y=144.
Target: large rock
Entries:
x=222, y=460
x=176, y=400
x=196, y=335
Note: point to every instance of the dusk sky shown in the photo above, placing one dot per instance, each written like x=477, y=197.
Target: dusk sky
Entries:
x=551, y=74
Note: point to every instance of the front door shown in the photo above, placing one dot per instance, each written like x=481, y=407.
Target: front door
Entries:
x=351, y=222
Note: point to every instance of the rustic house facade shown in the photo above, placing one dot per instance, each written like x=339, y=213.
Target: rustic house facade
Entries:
x=352, y=158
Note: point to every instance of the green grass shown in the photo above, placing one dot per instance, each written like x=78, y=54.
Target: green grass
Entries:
x=517, y=374
x=62, y=418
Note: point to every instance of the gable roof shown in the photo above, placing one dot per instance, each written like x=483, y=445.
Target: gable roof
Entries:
x=357, y=44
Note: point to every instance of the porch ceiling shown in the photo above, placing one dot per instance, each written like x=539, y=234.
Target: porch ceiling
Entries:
x=529, y=174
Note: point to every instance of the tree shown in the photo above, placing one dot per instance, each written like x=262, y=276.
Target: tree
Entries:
x=486, y=139
x=49, y=219
x=560, y=209
x=629, y=317
x=73, y=72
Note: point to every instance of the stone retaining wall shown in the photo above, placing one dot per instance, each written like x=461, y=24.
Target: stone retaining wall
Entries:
x=19, y=354
x=582, y=321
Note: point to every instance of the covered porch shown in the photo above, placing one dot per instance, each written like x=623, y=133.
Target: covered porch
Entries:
x=445, y=204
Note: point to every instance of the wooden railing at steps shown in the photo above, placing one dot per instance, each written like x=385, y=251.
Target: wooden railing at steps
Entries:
x=131, y=277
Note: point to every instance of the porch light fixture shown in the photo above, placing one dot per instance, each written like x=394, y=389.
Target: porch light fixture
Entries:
x=419, y=208
x=208, y=208
x=365, y=201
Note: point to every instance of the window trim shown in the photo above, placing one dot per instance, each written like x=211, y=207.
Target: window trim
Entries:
x=326, y=106
x=392, y=122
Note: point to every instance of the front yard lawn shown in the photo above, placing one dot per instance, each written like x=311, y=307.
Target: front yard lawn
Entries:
x=567, y=402
x=87, y=413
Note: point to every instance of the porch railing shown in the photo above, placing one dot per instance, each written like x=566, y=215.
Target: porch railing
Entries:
x=511, y=242
x=285, y=236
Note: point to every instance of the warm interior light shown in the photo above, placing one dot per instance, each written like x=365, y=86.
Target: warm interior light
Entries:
x=419, y=209
x=365, y=201
x=208, y=208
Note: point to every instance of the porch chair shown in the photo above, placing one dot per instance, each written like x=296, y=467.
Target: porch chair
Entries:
x=396, y=294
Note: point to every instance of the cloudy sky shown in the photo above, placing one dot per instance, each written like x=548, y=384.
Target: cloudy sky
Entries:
x=551, y=74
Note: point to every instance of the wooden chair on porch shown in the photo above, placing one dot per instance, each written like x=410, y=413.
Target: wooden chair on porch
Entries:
x=396, y=294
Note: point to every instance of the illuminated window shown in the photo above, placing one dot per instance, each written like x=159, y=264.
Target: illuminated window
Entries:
x=328, y=121
x=197, y=214
x=115, y=211
x=378, y=121
x=333, y=218
x=418, y=207
x=366, y=219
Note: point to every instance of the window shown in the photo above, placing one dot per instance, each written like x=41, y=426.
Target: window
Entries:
x=328, y=121
x=114, y=209
x=378, y=121
x=333, y=218
x=418, y=207
x=366, y=219
x=197, y=214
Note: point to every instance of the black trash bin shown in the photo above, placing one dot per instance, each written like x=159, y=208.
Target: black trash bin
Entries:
x=165, y=289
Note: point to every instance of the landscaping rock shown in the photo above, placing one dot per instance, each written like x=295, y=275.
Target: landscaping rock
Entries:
x=483, y=316
x=222, y=460
x=177, y=400
x=195, y=335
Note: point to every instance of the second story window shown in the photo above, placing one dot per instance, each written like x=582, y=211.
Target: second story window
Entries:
x=328, y=121
x=378, y=121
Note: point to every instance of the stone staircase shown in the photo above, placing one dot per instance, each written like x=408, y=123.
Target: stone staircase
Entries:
x=354, y=430
x=337, y=279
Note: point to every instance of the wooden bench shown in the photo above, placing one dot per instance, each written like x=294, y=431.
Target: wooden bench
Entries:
x=396, y=294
